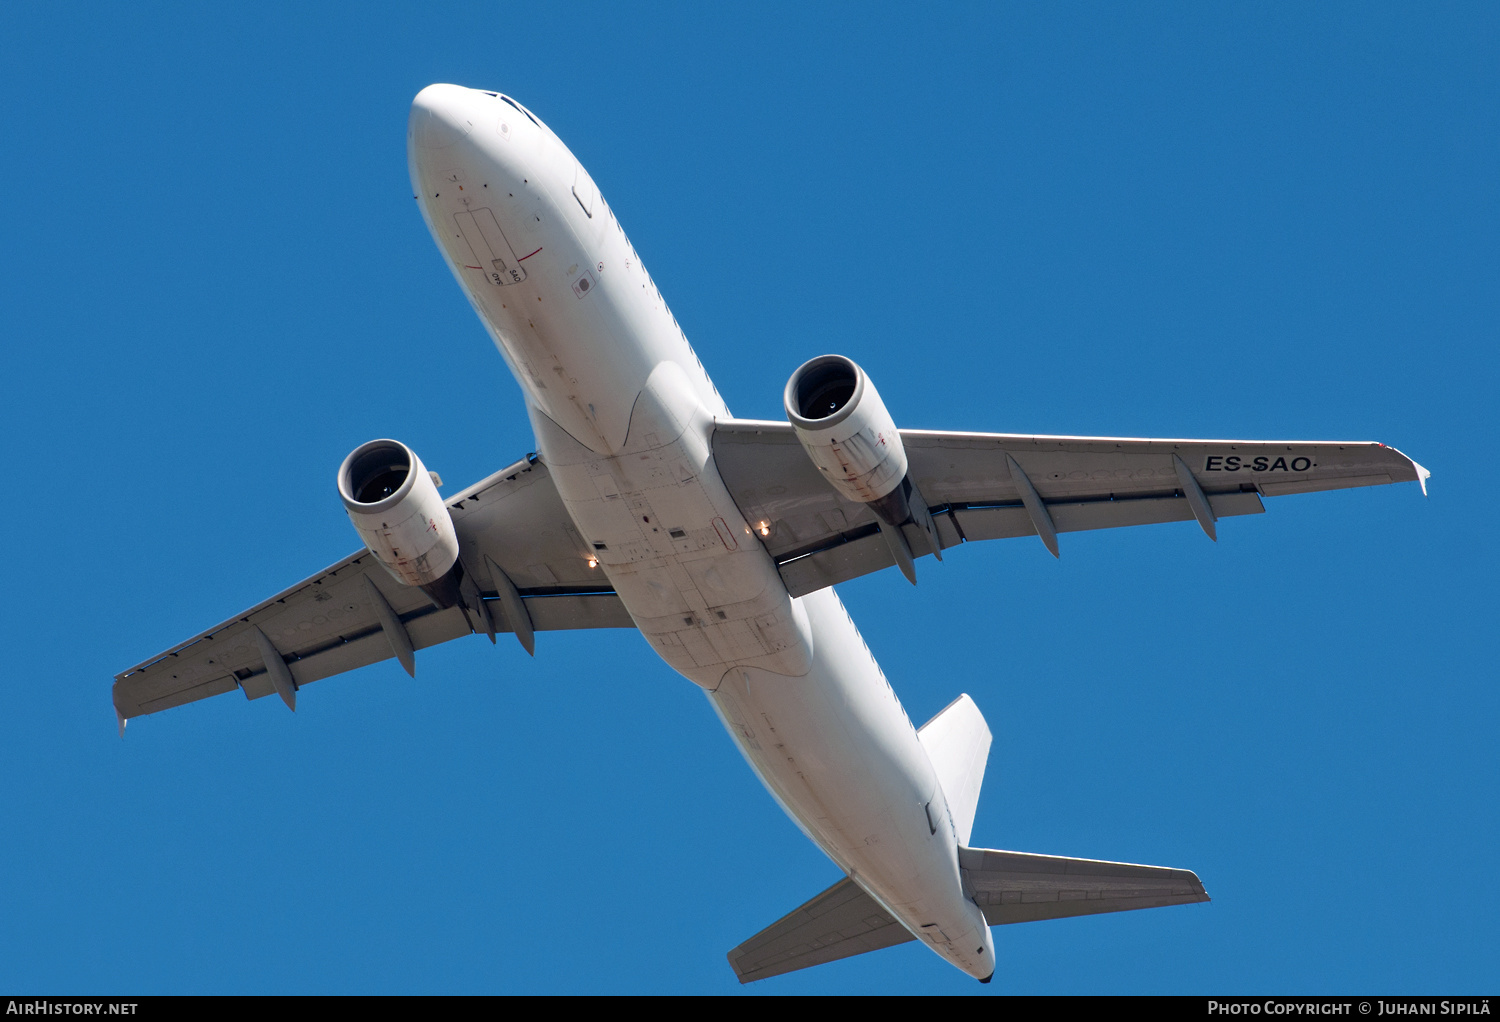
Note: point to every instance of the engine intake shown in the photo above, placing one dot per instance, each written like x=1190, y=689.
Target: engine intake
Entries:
x=398, y=513
x=845, y=428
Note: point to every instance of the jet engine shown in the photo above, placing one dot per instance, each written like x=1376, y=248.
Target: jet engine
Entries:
x=845, y=428
x=395, y=507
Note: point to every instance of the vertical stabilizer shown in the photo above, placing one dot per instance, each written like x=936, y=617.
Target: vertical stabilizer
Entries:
x=957, y=741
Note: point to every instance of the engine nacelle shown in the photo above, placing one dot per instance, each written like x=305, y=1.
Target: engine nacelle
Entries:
x=395, y=507
x=845, y=428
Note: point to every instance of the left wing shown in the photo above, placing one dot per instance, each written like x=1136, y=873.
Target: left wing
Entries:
x=998, y=485
x=333, y=621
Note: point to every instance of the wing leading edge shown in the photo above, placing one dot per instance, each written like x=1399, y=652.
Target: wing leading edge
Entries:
x=976, y=484
x=333, y=622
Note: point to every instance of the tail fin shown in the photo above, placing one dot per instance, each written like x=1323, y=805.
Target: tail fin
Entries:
x=957, y=741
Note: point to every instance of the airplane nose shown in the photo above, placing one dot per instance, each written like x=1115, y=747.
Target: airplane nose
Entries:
x=440, y=116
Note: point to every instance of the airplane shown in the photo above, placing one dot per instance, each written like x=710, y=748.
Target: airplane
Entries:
x=647, y=505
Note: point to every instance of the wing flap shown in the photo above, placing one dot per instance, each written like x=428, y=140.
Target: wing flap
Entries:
x=844, y=558
x=565, y=612
x=862, y=551
x=1012, y=521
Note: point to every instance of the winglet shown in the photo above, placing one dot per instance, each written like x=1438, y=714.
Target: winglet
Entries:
x=1422, y=476
x=114, y=699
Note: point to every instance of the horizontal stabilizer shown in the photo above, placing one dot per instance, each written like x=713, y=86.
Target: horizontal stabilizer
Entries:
x=840, y=922
x=1018, y=887
x=1009, y=887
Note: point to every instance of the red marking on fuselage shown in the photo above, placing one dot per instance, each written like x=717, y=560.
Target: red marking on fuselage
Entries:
x=527, y=256
x=468, y=267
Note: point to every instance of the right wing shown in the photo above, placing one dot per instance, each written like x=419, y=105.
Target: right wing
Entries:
x=999, y=485
x=1008, y=887
x=328, y=624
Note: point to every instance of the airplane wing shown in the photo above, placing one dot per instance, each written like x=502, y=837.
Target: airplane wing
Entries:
x=997, y=485
x=1008, y=887
x=333, y=621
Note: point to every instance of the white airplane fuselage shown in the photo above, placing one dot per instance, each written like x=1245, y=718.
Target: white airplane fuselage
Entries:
x=623, y=413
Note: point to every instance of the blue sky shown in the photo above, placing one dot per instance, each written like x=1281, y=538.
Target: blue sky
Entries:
x=1255, y=220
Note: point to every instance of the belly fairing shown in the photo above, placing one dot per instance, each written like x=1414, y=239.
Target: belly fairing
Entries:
x=662, y=526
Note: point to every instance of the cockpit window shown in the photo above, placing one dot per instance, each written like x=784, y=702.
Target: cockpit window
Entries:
x=523, y=110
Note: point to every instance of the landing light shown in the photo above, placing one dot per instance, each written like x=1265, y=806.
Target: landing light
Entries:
x=593, y=562
x=765, y=528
